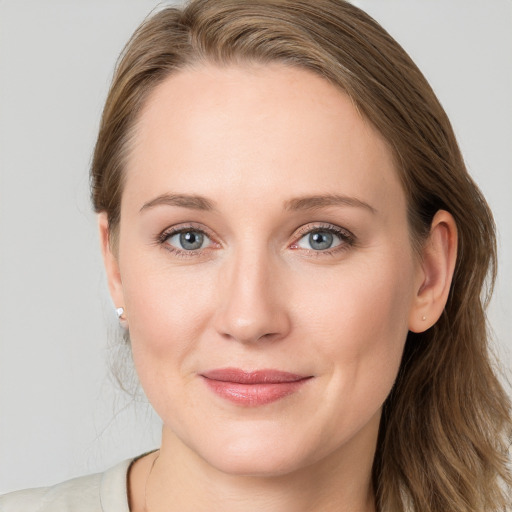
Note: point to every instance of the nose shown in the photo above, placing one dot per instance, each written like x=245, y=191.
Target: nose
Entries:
x=252, y=305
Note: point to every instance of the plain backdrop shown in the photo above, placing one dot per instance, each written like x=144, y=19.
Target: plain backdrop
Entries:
x=61, y=414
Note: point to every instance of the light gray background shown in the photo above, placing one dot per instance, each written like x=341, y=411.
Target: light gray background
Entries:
x=60, y=414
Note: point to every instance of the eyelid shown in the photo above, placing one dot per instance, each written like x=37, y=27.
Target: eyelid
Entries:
x=162, y=238
x=319, y=226
x=180, y=228
x=347, y=238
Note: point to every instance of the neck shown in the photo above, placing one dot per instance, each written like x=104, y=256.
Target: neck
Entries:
x=181, y=481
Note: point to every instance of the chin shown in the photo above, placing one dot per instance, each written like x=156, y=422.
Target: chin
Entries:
x=240, y=464
x=263, y=457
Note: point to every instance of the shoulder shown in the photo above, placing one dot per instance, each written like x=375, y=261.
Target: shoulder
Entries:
x=101, y=492
x=77, y=494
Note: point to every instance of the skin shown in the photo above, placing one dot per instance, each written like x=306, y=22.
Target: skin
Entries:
x=251, y=140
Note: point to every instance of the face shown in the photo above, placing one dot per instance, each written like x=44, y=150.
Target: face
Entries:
x=265, y=267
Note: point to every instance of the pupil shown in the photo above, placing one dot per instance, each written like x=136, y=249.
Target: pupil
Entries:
x=191, y=240
x=321, y=240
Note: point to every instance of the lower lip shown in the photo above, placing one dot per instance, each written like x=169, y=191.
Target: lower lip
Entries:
x=253, y=395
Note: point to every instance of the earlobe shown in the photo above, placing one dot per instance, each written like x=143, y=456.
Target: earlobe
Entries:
x=110, y=261
x=436, y=270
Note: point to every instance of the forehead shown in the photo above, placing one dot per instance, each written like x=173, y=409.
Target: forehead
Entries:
x=220, y=130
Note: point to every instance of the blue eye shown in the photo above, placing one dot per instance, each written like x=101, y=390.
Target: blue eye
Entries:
x=320, y=240
x=188, y=240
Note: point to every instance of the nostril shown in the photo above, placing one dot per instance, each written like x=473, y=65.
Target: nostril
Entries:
x=251, y=307
x=264, y=328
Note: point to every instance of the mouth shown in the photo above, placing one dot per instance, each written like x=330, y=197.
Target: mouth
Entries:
x=254, y=388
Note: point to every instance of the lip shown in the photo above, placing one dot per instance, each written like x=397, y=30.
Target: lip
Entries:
x=253, y=388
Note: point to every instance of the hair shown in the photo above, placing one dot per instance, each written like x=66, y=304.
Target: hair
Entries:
x=446, y=427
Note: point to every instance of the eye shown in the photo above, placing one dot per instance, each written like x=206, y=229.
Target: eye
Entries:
x=323, y=239
x=187, y=240
x=320, y=240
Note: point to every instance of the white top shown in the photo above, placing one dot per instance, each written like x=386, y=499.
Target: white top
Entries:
x=102, y=492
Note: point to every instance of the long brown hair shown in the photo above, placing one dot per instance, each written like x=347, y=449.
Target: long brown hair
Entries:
x=446, y=426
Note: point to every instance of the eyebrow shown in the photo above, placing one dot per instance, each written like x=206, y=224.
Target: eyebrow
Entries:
x=299, y=203
x=322, y=201
x=182, y=200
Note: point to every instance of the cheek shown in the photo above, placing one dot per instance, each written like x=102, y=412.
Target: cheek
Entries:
x=360, y=322
x=168, y=309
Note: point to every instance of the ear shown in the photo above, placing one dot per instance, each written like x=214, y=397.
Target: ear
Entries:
x=435, y=272
x=110, y=260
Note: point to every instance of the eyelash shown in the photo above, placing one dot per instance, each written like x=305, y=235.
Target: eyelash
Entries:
x=166, y=234
x=347, y=239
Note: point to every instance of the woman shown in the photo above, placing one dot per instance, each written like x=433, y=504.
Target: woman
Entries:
x=297, y=254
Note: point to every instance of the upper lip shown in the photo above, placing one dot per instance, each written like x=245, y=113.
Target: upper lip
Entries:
x=265, y=376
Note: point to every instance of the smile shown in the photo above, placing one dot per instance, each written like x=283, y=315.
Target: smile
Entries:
x=253, y=388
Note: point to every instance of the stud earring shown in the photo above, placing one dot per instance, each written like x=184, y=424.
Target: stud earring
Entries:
x=123, y=321
x=423, y=318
